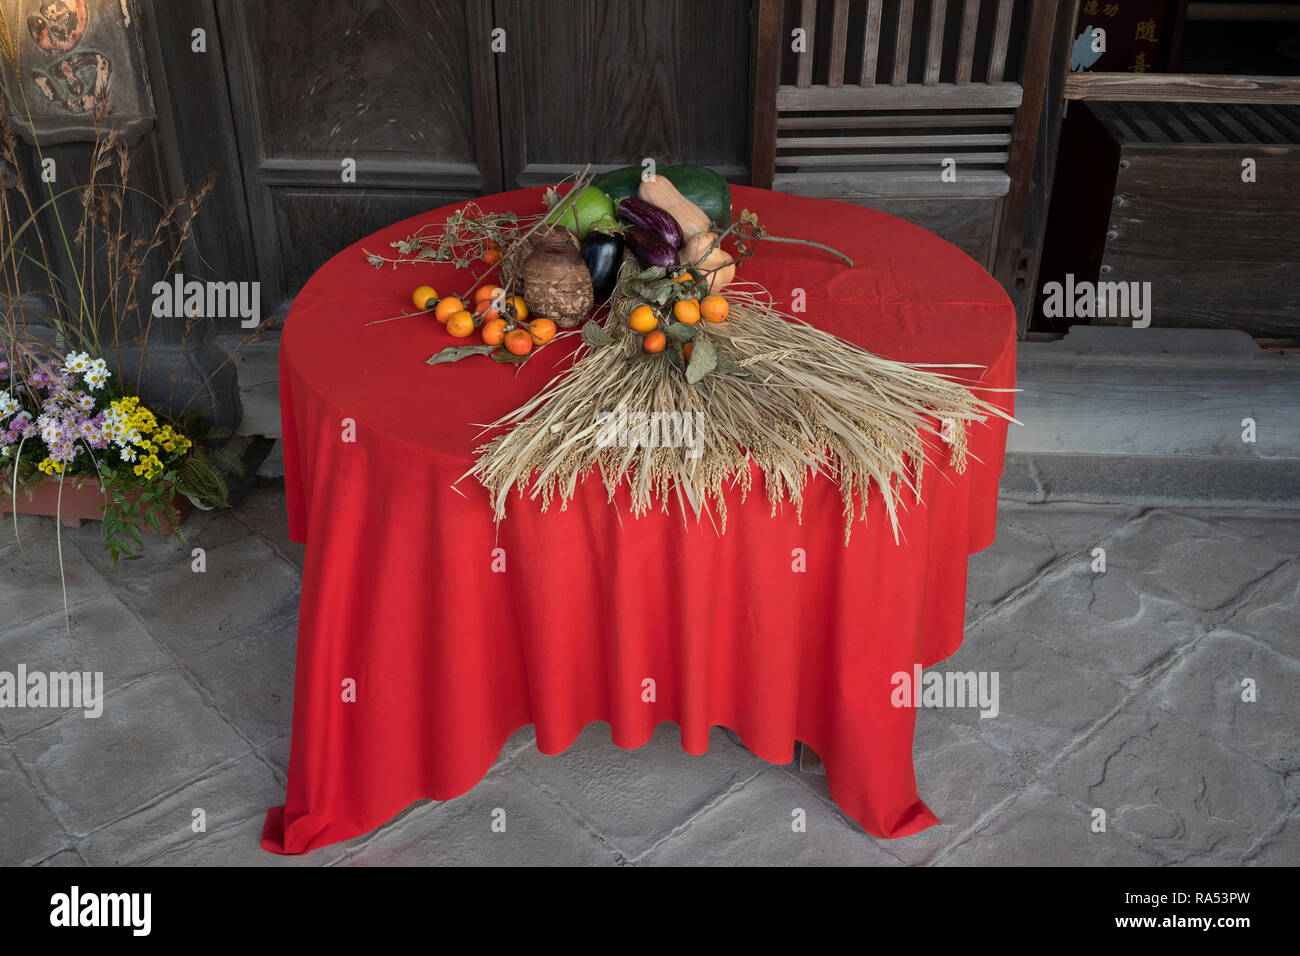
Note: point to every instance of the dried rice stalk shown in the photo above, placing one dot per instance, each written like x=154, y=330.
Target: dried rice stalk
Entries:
x=786, y=396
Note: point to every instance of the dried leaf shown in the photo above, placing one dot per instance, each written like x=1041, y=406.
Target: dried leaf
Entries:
x=504, y=356
x=704, y=359
x=595, y=336
x=454, y=353
x=681, y=332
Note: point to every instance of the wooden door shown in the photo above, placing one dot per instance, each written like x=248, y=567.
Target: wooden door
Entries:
x=400, y=92
x=612, y=83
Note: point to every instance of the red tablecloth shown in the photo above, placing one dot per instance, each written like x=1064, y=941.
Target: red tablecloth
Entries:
x=449, y=658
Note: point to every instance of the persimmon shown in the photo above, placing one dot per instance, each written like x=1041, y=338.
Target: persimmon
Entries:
x=715, y=308
x=656, y=341
x=486, y=292
x=687, y=348
x=494, y=331
x=447, y=307
x=686, y=310
x=492, y=255
x=541, y=330
x=424, y=297
x=642, y=319
x=518, y=342
x=521, y=307
x=460, y=324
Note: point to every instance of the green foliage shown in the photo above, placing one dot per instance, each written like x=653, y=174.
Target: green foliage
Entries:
x=200, y=482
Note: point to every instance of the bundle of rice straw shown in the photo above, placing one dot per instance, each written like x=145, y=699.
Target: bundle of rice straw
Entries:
x=784, y=395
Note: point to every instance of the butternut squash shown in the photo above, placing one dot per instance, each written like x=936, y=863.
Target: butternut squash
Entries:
x=660, y=192
x=693, y=254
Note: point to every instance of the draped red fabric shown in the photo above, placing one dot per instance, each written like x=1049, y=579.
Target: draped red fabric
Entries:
x=449, y=657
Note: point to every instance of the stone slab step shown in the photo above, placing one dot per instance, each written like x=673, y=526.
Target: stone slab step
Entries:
x=1111, y=390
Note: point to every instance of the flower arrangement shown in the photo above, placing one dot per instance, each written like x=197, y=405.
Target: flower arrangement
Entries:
x=75, y=403
x=62, y=419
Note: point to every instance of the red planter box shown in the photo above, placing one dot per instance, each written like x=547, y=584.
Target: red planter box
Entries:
x=80, y=504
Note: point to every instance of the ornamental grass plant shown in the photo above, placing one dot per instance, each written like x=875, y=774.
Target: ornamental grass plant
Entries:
x=77, y=266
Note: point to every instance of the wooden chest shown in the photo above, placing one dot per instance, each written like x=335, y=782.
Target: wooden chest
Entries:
x=1202, y=200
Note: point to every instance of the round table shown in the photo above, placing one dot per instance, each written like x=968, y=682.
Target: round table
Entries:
x=428, y=634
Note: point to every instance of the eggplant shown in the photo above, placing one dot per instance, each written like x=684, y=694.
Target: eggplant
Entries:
x=603, y=253
x=650, y=248
x=638, y=212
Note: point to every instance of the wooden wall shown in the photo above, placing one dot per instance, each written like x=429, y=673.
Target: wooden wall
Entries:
x=611, y=83
x=413, y=93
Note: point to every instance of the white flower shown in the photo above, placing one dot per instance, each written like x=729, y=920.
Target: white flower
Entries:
x=128, y=454
x=97, y=374
x=76, y=361
x=8, y=405
x=6, y=451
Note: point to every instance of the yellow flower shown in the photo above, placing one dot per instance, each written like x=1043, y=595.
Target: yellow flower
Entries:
x=51, y=467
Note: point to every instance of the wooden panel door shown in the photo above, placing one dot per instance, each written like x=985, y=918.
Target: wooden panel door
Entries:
x=316, y=84
x=611, y=83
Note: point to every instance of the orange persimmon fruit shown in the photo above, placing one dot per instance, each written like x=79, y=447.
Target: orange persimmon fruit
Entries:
x=541, y=330
x=447, y=307
x=424, y=297
x=518, y=342
x=460, y=324
x=642, y=319
x=686, y=310
x=714, y=308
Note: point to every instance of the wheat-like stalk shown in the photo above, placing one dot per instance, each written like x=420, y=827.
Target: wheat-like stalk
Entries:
x=789, y=398
x=7, y=44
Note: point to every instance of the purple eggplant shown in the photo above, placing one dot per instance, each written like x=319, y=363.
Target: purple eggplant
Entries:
x=603, y=253
x=638, y=212
x=649, y=247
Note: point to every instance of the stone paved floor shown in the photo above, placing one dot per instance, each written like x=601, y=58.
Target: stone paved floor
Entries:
x=1120, y=691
